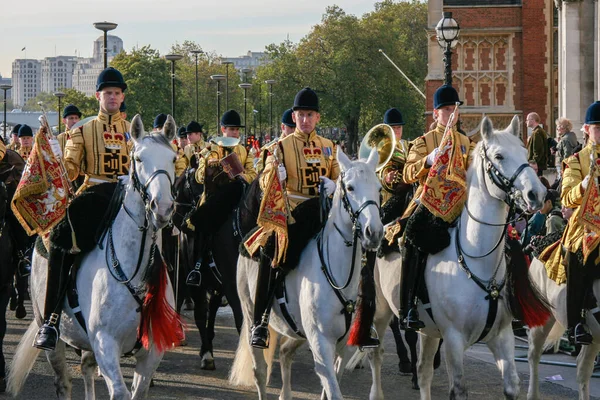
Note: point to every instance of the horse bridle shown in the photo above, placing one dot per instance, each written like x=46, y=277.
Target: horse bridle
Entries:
x=499, y=179
x=356, y=233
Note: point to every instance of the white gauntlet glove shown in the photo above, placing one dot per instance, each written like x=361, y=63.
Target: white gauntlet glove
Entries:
x=56, y=148
x=431, y=156
x=585, y=182
x=281, y=172
x=329, y=185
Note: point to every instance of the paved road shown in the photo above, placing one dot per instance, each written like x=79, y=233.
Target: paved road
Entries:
x=180, y=377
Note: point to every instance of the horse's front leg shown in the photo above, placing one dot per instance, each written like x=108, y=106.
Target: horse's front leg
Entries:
x=503, y=348
x=145, y=366
x=537, y=338
x=88, y=369
x=110, y=365
x=287, y=350
x=208, y=361
x=383, y=314
x=585, y=368
x=324, y=352
x=429, y=346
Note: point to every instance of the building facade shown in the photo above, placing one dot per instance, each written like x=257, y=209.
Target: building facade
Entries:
x=6, y=81
x=57, y=73
x=504, y=63
x=86, y=70
x=26, y=79
x=252, y=60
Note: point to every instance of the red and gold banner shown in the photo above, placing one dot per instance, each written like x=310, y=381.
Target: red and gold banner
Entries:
x=42, y=194
x=272, y=218
x=444, y=191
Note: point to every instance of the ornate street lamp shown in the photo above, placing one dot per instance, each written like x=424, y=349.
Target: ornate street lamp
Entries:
x=60, y=95
x=246, y=71
x=270, y=82
x=196, y=53
x=105, y=27
x=173, y=58
x=5, y=88
x=245, y=86
x=447, y=31
x=218, y=78
x=227, y=64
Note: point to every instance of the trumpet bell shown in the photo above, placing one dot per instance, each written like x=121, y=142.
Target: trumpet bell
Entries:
x=382, y=138
x=225, y=141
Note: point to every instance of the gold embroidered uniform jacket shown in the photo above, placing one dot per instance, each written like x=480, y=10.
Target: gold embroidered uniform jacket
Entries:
x=2, y=150
x=306, y=158
x=24, y=152
x=218, y=152
x=14, y=146
x=99, y=150
x=62, y=140
x=190, y=150
x=416, y=168
x=180, y=161
x=396, y=163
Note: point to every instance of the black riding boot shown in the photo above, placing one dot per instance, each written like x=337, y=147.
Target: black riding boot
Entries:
x=411, y=265
x=576, y=294
x=263, y=298
x=59, y=264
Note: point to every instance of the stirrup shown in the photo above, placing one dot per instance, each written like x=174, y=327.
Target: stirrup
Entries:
x=412, y=320
x=47, y=336
x=259, y=336
x=372, y=342
x=582, y=335
x=194, y=278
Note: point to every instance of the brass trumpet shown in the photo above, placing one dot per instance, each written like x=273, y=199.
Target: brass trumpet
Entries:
x=382, y=138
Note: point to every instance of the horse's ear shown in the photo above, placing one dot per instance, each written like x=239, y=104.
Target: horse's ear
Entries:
x=137, y=128
x=169, y=128
x=343, y=160
x=373, y=159
x=515, y=126
x=487, y=129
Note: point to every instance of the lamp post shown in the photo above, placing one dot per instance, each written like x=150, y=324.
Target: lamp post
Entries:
x=173, y=58
x=246, y=71
x=196, y=52
x=447, y=31
x=218, y=78
x=60, y=95
x=105, y=27
x=227, y=64
x=270, y=82
x=5, y=88
x=245, y=86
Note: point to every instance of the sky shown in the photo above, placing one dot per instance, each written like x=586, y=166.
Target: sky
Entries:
x=230, y=27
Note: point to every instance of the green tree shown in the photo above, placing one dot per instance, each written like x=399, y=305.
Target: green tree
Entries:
x=88, y=105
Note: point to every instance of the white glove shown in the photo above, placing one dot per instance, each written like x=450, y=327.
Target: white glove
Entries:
x=281, y=172
x=585, y=182
x=431, y=156
x=329, y=185
x=56, y=148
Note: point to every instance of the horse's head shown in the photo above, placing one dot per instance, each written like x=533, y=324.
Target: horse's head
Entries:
x=508, y=174
x=359, y=190
x=152, y=169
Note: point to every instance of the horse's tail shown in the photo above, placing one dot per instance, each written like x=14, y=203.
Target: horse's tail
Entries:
x=365, y=310
x=525, y=300
x=159, y=320
x=242, y=373
x=554, y=336
x=24, y=359
x=357, y=360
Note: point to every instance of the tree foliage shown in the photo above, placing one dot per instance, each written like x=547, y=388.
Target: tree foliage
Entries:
x=88, y=105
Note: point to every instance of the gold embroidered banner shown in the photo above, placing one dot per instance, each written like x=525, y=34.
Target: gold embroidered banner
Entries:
x=444, y=191
x=41, y=198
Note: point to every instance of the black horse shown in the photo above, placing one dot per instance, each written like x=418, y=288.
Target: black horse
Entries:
x=213, y=249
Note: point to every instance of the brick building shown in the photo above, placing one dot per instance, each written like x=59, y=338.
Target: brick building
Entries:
x=504, y=63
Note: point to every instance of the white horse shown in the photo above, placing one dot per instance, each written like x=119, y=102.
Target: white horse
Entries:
x=555, y=327
x=111, y=313
x=459, y=306
x=312, y=301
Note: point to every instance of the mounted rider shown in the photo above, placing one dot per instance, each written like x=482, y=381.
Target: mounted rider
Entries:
x=99, y=150
x=582, y=235
x=70, y=116
x=14, y=144
x=195, y=137
x=25, y=141
x=301, y=160
x=181, y=142
x=421, y=157
x=288, y=126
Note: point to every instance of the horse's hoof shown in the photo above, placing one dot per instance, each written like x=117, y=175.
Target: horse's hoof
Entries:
x=405, y=368
x=207, y=365
x=21, y=312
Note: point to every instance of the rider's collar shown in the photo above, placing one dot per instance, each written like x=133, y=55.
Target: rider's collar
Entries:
x=303, y=136
x=109, y=118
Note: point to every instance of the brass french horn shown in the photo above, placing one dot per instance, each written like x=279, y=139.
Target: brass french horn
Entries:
x=382, y=138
